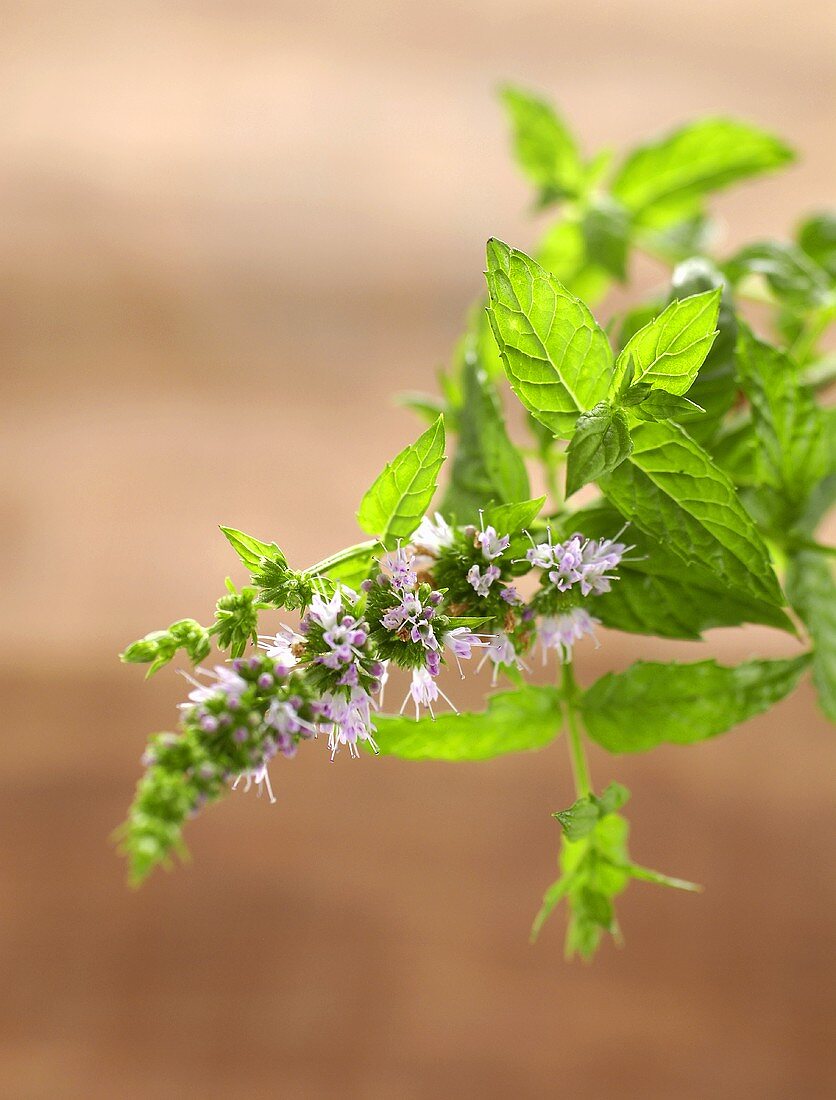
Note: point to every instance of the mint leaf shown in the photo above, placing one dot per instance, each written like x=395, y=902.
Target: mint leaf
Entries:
x=606, y=234
x=545, y=148
x=788, y=425
x=394, y=505
x=557, y=359
x=583, y=815
x=508, y=518
x=789, y=272
x=670, y=488
x=653, y=703
x=661, y=405
x=715, y=386
x=601, y=441
x=515, y=721
x=250, y=550
x=817, y=237
x=680, y=168
x=486, y=466
x=668, y=352
x=812, y=592
x=562, y=253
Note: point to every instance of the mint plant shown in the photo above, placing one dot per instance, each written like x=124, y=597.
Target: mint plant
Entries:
x=706, y=460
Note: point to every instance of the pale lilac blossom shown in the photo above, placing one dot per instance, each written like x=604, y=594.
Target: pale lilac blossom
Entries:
x=561, y=632
x=481, y=582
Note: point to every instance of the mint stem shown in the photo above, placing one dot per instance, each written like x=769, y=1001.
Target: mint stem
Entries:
x=580, y=768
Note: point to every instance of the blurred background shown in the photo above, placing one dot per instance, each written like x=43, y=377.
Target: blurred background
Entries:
x=229, y=234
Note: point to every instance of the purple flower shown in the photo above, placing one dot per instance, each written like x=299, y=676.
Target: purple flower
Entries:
x=500, y=651
x=568, y=558
x=492, y=545
x=598, y=558
x=511, y=595
x=560, y=632
x=399, y=564
x=461, y=641
x=349, y=721
x=481, y=582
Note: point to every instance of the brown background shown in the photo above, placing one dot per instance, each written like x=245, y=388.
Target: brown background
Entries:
x=228, y=234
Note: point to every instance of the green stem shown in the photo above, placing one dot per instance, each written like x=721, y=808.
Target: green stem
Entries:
x=580, y=768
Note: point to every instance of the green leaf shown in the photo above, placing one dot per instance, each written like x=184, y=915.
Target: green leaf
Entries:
x=508, y=518
x=601, y=441
x=606, y=234
x=661, y=405
x=557, y=359
x=788, y=425
x=584, y=814
x=812, y=592
x=250, y=550
x=680, y=168
x=655, y=595
x=651, y=703
x=562, y=253
x=545, y=148
x=486, y=466
x=396, y=502
x=817, y=237
x=670, y=488
x=350, y=566
x=515, y=721
x=790, y=274
x=715, y=386
x=668, y=352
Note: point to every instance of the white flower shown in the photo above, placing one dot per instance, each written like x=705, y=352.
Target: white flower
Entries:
x=280, y=646
x=258, y=776
x=326, y=612
x=424, y=692
x=433, y=535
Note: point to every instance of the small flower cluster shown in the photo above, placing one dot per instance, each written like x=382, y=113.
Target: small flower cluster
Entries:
x=416, y=610
x=476, y=567
x=410, y=625
x=236, y=719
x=572, y=570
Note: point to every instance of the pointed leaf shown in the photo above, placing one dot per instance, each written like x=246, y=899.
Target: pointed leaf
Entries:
x=812, y=592
x=601, y=441
x=653, y=703
x=396, y=502
x=544, y=146
x=693, y=161
x=668, y=352
x=670, y=488
x=515, y=721
x=557, y=359
x=486, y=466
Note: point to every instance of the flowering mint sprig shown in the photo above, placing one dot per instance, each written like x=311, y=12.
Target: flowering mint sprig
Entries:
x=673, y=418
